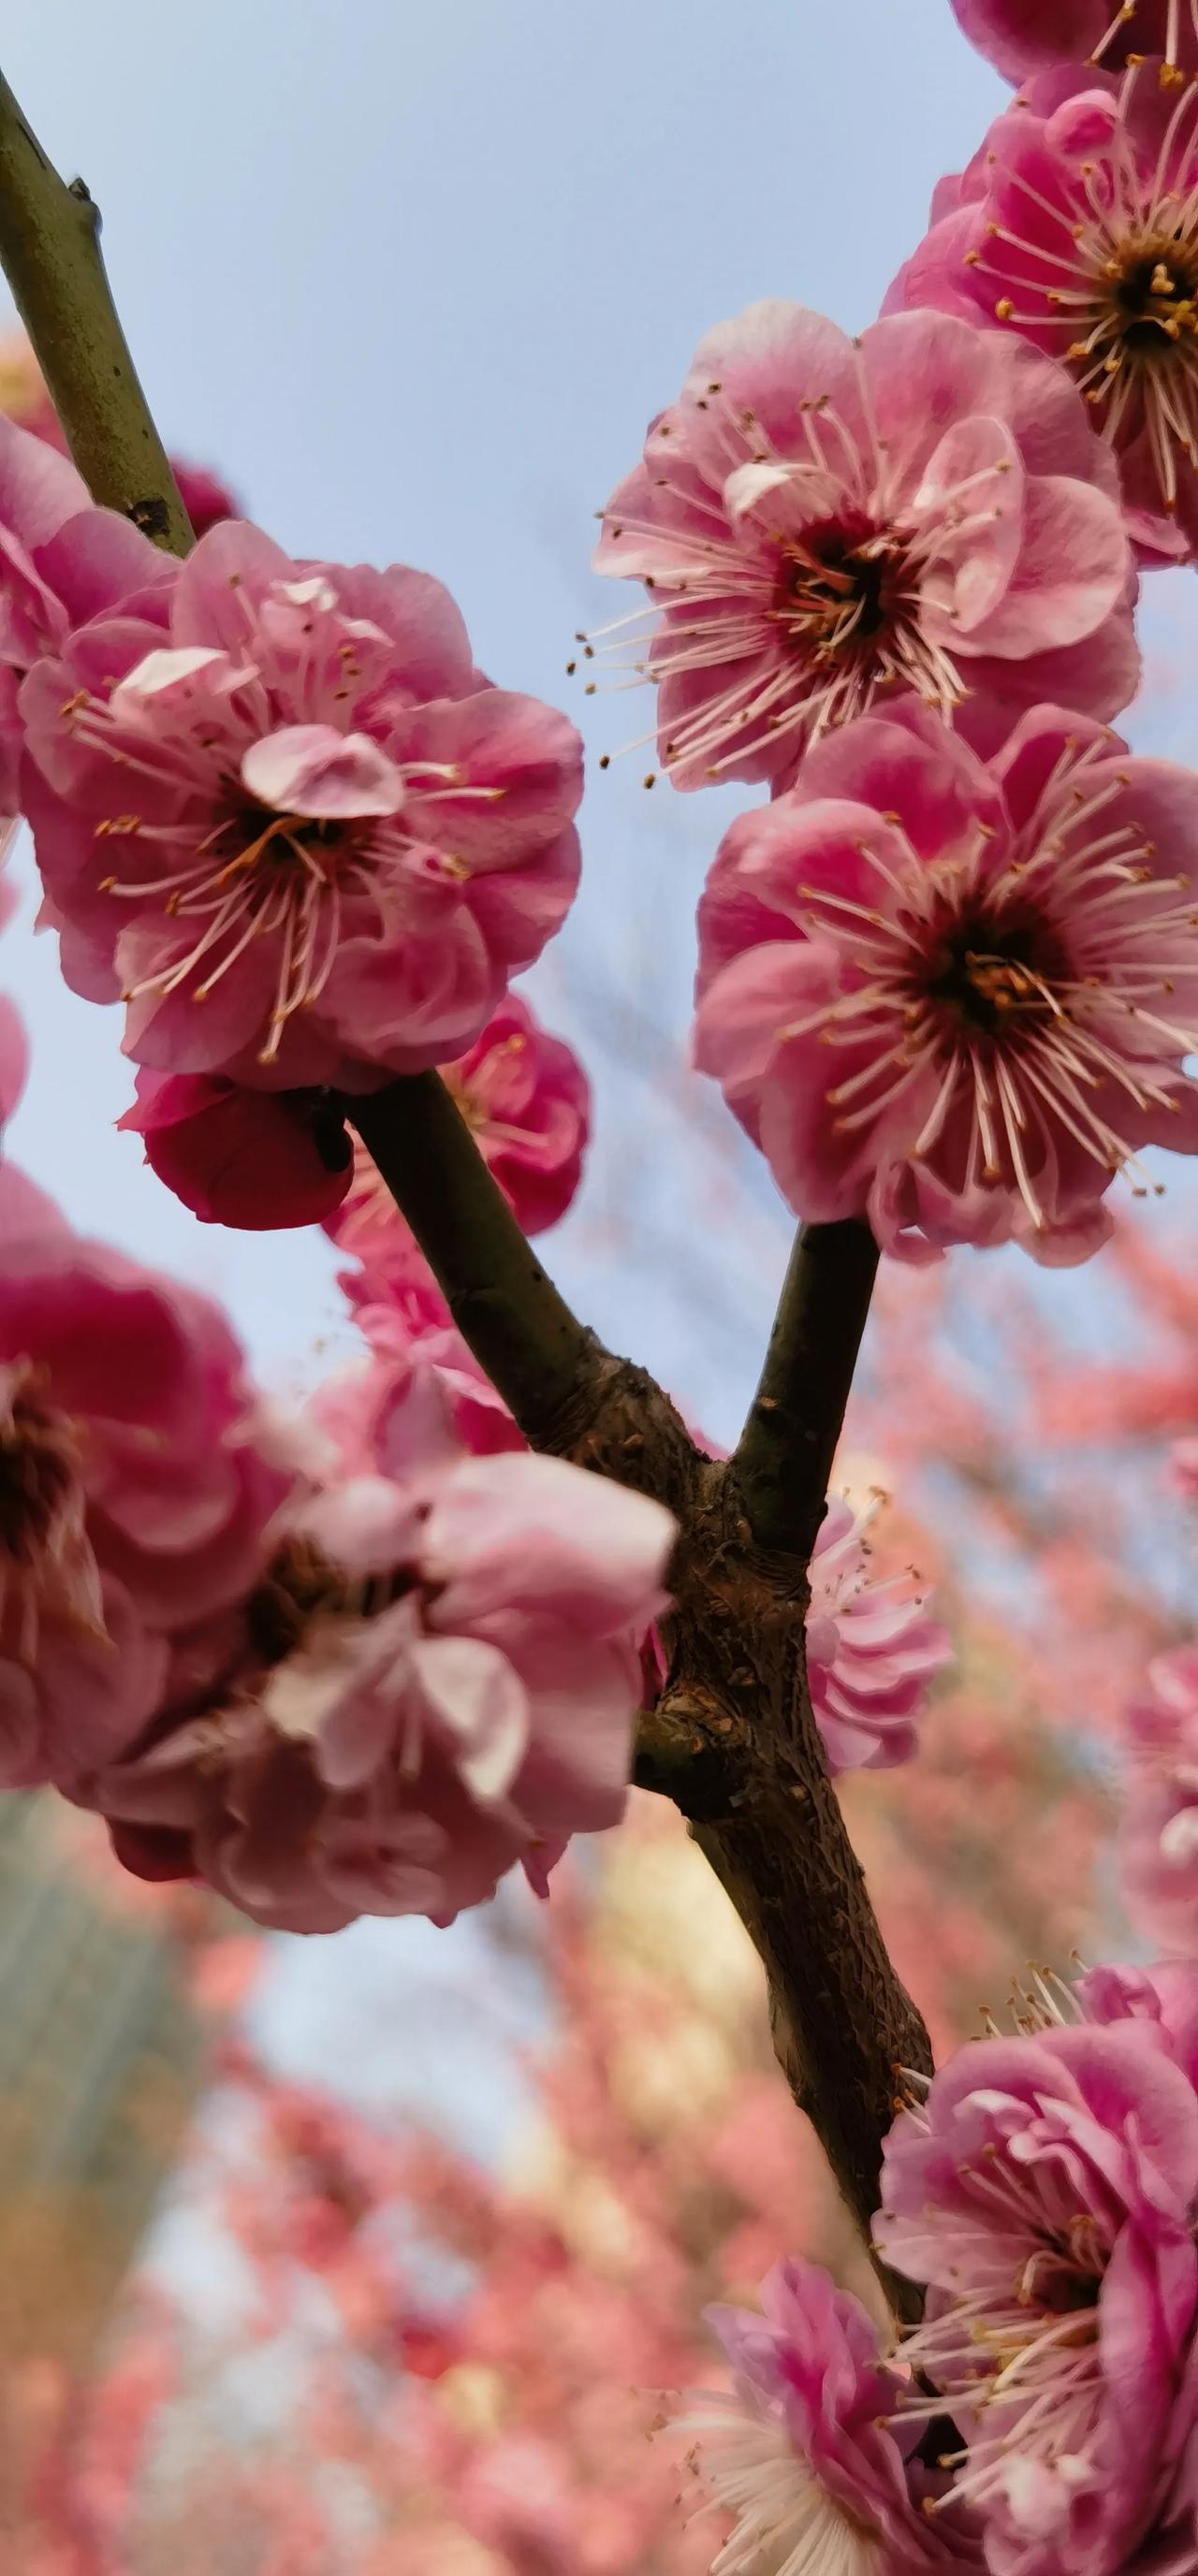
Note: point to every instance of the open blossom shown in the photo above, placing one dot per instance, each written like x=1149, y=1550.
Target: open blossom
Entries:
x=803, y=2455
x=134, y=1494
x=1158, y=1840
x=24, y=399
x=527, y=1101
x=1076, y=227
x=957, y=998
x=821, y=521
x=434, y=1680
x=280, y=814
x=60, y=560
x=871, y=1649
x=252, y=1159
x=1047, y=2192
x=1024, y=36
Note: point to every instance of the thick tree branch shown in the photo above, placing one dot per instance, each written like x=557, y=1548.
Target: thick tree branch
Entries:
x=733, y=1741
x=784, y=1458
x=50, y=246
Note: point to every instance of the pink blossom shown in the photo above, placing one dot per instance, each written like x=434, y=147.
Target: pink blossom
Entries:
x=434, y=1681
x=527, y=1101
x=60, y=560
x=1158, y=1841
x=1024, y=36
x=1076, y=227
x=421, y=1380
x=134, y=1496
x=820, y=521
x=1046, y=2191
x=805, y=2455
x=282, y=816
x=871, y=1649
x=1165, y=1994
x=250, y=1159
x=958, y=998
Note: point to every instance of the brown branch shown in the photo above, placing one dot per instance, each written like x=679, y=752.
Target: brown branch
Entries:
x=784, y=1458
x=50, y=248
x=733, y=1741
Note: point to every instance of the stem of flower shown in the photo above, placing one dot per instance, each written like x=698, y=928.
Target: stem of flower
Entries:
x=784, y=1457
x=50, y=247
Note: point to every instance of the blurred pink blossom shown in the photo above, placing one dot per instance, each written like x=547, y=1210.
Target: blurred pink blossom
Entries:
x=956, y=998
x=60, y=560
x=871, y=1649
x=134, y=1492
x=435, y=1680
x=340, y=842
x=820, y=520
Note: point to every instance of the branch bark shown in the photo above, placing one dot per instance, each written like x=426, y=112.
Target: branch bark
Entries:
x=733, y=1740
x=50, y=246
x=784, y=1458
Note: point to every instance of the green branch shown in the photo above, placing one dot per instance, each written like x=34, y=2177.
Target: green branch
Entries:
x=50, y=248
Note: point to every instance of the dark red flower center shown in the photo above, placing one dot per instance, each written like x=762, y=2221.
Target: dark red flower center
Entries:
x=836, y=590
x=990, y=973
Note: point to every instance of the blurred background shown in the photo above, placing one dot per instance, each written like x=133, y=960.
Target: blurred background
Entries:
x=389, y=2251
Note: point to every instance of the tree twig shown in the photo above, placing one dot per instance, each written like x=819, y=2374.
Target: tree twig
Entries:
x=784, y=1458
x=50, y=246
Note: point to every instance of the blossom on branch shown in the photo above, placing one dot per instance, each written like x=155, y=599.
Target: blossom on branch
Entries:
x=135, y=1492
x=1047, y=2192
x=61, y=560
x=1076, y=228
x=279, y=813
x=252, y=1159
x=957, y=998
x=806, y=2454
x=1024, y=36
x=871, y=1649
x=821, y=522
x=434, y=1680
x=420, y=1380
x=526, y=1100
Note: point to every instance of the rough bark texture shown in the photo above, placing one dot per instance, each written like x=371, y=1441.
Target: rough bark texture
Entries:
x=733, y=1741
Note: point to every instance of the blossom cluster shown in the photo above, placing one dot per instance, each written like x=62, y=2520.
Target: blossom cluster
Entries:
x=947, y=976
x=1044, y=2415
x=322, y=1686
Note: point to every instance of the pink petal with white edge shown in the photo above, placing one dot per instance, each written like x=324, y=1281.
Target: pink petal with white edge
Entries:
x=312, y=769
